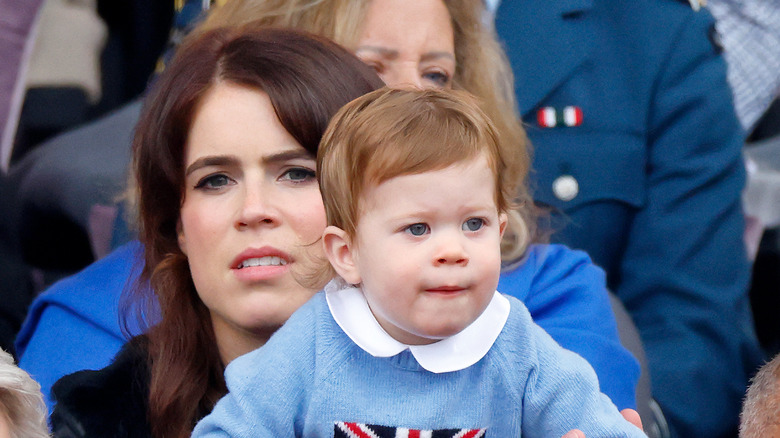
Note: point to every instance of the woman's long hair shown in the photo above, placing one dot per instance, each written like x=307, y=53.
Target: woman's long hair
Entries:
x=308, y=79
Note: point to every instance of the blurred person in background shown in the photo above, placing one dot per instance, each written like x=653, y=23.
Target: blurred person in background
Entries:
x=17, y=23
x=638, y=152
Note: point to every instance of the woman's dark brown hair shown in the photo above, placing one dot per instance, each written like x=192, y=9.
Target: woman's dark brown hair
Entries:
x=308, y=79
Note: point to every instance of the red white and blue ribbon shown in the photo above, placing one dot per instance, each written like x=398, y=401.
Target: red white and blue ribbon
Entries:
x=550, y=117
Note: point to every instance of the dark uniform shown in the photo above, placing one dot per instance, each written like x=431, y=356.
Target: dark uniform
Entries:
x=638, y=149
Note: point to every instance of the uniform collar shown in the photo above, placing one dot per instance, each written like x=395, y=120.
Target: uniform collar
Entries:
x=350, y=310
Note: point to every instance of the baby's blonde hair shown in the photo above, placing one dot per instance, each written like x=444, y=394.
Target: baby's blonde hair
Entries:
x=392, y=132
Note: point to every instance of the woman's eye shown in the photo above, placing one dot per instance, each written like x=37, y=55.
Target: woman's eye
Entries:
x=213, y=182
x=377, y=66
x=299, y=174
x=473, y=224
x=417, y=229
x=437, y=78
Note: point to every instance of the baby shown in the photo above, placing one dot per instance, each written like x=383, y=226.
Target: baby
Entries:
x=412, y=339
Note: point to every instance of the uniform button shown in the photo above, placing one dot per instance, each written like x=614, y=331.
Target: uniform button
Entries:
x=565, y=187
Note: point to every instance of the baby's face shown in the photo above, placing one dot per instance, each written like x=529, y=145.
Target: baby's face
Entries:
x=427, y=250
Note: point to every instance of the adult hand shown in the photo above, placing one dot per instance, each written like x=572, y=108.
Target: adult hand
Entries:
x=630, y=415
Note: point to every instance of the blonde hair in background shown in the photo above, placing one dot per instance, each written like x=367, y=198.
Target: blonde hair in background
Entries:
x=391, y=132
x=21, y=401
x=482, y=67
x=338, y=20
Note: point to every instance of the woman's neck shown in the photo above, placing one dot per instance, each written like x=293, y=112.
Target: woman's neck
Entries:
x=233, y=341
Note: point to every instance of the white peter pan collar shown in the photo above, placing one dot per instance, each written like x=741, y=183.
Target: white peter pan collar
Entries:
x=351, y=312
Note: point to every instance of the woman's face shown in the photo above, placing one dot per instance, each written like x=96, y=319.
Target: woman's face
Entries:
x=409, y=42
x=251, y=212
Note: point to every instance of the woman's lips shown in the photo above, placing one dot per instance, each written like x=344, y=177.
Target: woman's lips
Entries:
x=262, y=261
x=258, y=264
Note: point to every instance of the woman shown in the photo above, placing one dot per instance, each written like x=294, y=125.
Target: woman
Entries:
x=229, y=210
x=567, y=299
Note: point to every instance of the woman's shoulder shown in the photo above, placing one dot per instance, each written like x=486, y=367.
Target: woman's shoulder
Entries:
x=108, y=402
x=545, y=263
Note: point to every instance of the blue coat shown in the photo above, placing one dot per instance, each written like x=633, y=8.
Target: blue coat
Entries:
x=647, y=181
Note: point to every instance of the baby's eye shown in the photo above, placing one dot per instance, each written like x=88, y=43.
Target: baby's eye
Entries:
x=299, y=174
x=213, y=182
x=473, y=224
x=417, y=229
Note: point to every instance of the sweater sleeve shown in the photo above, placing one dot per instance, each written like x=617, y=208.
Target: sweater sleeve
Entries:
x=566, y=295
x=267, y=387
x=562, y=393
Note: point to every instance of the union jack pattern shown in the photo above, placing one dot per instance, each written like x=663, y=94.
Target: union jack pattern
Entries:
x=358, y=430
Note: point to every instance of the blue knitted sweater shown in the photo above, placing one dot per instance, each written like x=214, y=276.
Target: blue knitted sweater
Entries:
x=312, y=380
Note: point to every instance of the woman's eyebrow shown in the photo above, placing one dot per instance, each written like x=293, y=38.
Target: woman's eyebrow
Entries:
x=393, y=54
x=287, y=156
x=383, y=51
x=437, y=55
x=211, y=160
x=229, y=160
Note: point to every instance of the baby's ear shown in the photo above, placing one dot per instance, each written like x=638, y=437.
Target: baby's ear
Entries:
x=339, y=250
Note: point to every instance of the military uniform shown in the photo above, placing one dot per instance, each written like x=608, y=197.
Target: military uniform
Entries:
x=637, y=150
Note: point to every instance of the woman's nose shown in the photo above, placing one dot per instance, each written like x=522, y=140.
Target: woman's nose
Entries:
x=257, y=209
